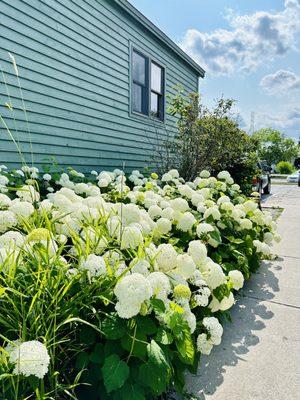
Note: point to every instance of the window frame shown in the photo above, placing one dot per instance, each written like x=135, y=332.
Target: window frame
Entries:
x=149, y=60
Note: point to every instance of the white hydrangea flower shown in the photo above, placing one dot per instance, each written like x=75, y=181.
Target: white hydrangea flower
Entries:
x=3, y=180
x=22, y=209
x=214, y=329
x=249, y=206
x=160, y=285
x=198, y=251
x=131, y=291
x=163, y=225
x=190, y=319
x=205, y=192
x=47, y=177
x=168, y=213
x=166, y=177
x=186, y=222
x=204, y=174
x=12, y=239
x=29, y=358
x=214, y=212
x=7, y=220
x=131, y=238
x=245, y=224
x=186, y=191
x=204, y=228
x=180, y=205
x=262, y=247
x=213, y=275
x=237, y=279
x=174, y=173
x=94, y=264
x=268, y=238
x=154, y=211
x=28, y=193
x=140, y=266
x=202, y=296
x=166, y=257
x=185, y=266
x=204, y=345
x=223, y=199
x=130, y=213
x=4, y=200
x=223, y=175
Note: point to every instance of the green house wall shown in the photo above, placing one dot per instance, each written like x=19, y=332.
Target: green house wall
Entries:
x=73, y=58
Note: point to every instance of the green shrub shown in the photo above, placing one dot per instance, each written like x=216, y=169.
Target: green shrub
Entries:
x=284, y=167
x=209, y=139
x=114, y=294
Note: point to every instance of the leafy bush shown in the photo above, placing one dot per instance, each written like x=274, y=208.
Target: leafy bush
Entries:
x=113, y=290
x=284, y=167
x=273, y=146
x=209, y=139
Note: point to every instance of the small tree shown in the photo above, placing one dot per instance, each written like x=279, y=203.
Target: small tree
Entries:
x=284, y=167
x=274, y=146
x=210, y=139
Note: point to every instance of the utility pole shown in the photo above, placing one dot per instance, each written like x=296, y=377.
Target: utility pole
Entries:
x=252, y=124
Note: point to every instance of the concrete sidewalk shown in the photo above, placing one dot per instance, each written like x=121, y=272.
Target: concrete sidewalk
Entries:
x=259, y=357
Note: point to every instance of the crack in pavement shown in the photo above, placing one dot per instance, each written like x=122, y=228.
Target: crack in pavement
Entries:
x=272, y=301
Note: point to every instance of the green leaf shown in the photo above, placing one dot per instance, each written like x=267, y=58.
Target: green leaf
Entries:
x=216, y=236
x=158, y=306
x=232, y=239
x=157, y=356
x=82, y=360
x=97, y=356
x=137, y=344
x=153, y=377
x=185, y=346
x=164, y=337
x=115, y=373
x=113, y=327
x=145, y=325
x=130, y=392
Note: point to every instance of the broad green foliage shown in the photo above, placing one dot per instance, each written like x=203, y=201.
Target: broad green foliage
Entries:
x=284, y=167
x=113, y=287
x=209, y=139
x=274, y=146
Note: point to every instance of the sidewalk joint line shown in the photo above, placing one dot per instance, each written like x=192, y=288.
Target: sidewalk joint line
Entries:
x=281, y=255
x=272, y=301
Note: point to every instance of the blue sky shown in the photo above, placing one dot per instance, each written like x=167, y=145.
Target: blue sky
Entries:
x=250, y=50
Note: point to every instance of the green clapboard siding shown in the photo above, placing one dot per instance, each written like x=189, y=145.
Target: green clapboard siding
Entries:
x=73, y=60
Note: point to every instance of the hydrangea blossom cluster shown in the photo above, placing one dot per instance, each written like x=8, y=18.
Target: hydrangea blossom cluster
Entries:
x=178, y=242
x=29, y=358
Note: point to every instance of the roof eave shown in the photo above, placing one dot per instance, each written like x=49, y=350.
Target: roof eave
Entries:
x=137, y=15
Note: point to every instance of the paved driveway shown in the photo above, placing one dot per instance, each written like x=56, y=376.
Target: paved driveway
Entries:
x=259, y=357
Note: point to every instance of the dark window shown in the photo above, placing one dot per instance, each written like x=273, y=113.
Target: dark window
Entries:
x=157, y=91
x=147, y=86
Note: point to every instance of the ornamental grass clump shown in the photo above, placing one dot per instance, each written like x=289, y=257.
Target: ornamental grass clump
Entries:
x=113, y=287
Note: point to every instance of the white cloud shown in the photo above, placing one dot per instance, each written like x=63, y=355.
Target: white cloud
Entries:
x=251, y=40
x=281, y=82
x=287, y=120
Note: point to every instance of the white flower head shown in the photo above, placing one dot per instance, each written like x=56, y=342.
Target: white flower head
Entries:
x=237, y=279
x=95, y=265
x=29, y=358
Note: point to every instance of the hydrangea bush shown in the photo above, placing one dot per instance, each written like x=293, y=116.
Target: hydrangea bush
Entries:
x=113, y=287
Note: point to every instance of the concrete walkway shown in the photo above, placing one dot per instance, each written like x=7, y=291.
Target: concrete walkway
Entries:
x=259, y=357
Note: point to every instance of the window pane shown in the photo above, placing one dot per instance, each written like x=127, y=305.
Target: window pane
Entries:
x=156, y=78
x=137, y=98
x=138, y=68
x=154, y=104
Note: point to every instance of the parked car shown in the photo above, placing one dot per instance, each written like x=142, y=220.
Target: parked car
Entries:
x=262, y=182
x=294, y=178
